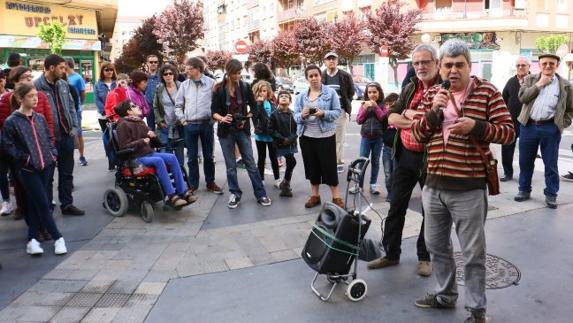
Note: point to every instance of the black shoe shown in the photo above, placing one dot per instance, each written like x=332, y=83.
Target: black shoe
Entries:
x=431, y=301
x=506, y=178
x=551, y=202
x=72, y=210
x=522, y=196
x=476, y=317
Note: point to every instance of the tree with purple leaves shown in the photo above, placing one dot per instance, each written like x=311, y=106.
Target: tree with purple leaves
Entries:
x=347, y=38
x=179, y=27
x=216, y=59
x=391, y=28
x=312, y=40
x=261, y=52
x=285, y=50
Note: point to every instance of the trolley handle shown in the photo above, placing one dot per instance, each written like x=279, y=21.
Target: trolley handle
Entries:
x=357, y=170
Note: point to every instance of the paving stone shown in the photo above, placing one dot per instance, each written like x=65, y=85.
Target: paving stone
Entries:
x=284, y=255
x=141, y=299
x=133, y=314
x=58, y=285
x=273, y=243
x=75, y=274
x=123, y=286
x=150, y=288
x=31, y=298
x=160, y=276
x=84, y=300
x=70, y=315
x=28, y=313
x=101, y=315
x=238, y=263
x=112, y=300
x=98, y=286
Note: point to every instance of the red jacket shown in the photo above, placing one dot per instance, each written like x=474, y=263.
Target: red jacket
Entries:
x=42, y=108
x=114, y=97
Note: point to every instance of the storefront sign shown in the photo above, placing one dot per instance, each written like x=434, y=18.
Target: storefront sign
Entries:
x=487, y=40
x=35, y=42
x=19, y=18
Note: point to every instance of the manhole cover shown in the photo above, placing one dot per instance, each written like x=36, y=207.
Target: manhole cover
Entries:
x=500, y=273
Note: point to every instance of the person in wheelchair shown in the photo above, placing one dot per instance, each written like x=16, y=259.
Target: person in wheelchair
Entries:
x=132, y=132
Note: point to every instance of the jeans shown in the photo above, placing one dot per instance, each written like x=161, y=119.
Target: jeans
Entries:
x=243, y=141
x=38, y=210
x=407, y=174
x=262, y=147
x=388, y=163
x=507, y=152
x=204, y=132
x=4, y=184
x=160, y=161
x=373, y=146
x=467, y=210
x=151, y=120
x=173, y=146
x=65, y=148
x=531, y=137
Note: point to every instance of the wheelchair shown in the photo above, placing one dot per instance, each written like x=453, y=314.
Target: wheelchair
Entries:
x=136, y=185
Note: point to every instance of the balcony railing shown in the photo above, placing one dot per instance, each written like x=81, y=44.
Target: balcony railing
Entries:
x=449, y=14
x=252, y=3
x=290, y=14
x=254, y=25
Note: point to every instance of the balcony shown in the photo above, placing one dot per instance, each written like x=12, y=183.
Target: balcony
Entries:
x=252, y=3
x=290, y=14
x=447, y=19
x=254, y=25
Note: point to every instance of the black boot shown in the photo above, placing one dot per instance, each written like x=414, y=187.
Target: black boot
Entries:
x=286, y=191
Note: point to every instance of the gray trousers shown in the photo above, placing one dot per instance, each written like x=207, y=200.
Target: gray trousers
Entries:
x=467, y=210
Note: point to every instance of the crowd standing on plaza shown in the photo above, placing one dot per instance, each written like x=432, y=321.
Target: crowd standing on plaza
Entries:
x=443, y=112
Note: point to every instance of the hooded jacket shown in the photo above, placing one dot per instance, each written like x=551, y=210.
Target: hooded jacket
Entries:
x=27, y=142
x=68, y=111
x=42, y=108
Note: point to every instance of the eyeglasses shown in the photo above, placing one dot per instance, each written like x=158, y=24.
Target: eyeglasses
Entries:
x=422, y=63
x=107, y=70
x=168, y=74
x=521, y=65
x=458, y=65
x=153, y=62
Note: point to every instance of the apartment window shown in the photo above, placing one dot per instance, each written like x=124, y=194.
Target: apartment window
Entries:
x=542, y=5
x=562, y=6
x=492, y=4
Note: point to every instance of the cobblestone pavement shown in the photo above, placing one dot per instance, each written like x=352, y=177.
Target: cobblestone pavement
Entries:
x=119, y=275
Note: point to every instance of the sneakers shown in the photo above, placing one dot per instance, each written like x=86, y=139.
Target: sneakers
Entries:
x=476, y=317
x=33, y=248
x=60, y=247
x=431, y=301
x=424, y=268
x=374, y=189
x=354, y=189
x=338, y=201
x=278, y=183
x=285, y=188
x=340, y=168
x=382, y=262
x=72, y=210
x=264, y=201
x=214, y=188
x=83, y=161
x=522, y=196
x=234, y=201
x=568, y=177
x=551, y=201
x=506, y=178
x=7, y=208
x=312, y=201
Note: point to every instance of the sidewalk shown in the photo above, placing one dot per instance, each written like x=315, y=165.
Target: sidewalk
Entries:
x=180, y=269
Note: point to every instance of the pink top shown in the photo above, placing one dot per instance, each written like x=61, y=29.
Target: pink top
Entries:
x=379, y=111
x=450, y=112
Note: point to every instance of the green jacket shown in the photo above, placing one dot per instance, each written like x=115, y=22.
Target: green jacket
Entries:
x=158, y=109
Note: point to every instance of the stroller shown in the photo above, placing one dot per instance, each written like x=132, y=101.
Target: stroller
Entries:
x=335, y=239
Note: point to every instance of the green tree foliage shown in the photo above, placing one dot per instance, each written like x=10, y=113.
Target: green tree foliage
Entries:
x=54, y=35
x=550, y=43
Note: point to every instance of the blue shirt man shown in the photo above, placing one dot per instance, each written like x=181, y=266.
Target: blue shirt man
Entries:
x=153, y=79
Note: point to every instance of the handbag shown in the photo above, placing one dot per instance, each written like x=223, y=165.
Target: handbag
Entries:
x=490, y=163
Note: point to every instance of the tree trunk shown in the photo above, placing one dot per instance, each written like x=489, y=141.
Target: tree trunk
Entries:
x=394, y=65
x=350, y=67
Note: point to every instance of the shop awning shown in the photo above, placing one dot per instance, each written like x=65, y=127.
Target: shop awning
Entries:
x=10, y=41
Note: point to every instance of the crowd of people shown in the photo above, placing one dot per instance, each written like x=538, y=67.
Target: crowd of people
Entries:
x=435, y=133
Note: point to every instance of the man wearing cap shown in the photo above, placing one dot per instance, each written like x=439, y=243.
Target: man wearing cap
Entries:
x=547, y=109
x=342, y=83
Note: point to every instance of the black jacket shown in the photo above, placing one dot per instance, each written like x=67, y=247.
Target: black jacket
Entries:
x=346, y=89
x=27, y=142
x=283, y=127
x=221, y=104
x=510, y=95
x=261, y=120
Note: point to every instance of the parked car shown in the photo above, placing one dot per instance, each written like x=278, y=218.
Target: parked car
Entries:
x=360, y=83
x=300, y=85
x=284, y=83
x=247, y=77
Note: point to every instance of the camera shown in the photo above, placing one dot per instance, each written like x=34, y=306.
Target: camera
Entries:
x=239, y=120
x=312, y=110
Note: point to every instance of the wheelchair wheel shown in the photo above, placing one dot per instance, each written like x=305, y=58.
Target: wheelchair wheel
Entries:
x=115, y=201
x=147, y=211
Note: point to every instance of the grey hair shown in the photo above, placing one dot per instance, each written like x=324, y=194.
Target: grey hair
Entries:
x=455, y=47
x=525, y=59
x=426, y=48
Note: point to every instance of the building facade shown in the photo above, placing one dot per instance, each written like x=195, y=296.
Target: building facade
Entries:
x=87, y=22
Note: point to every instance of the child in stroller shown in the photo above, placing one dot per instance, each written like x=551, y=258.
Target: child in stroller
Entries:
x=133, y=133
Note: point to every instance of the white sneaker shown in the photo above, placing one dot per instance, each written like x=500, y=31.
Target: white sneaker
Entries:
x=374, y=189
x=7, y=208
x=33, y=248
x=60, y=247
x=278, y=183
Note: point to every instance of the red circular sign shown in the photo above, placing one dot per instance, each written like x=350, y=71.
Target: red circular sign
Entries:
x=383, y=51
x=241, y=47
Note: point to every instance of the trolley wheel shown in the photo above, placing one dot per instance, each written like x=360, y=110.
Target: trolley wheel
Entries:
x=115, y=201
x=356, y=290
x=147, y=211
